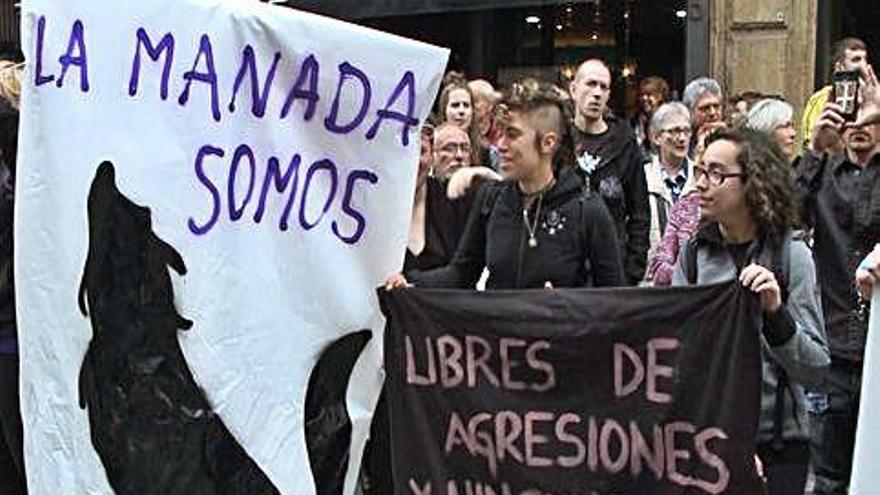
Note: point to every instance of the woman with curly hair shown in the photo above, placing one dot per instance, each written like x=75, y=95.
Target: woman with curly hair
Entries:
x=748, y=209
x=537, y=227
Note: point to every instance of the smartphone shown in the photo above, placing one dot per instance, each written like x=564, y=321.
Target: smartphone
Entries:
x=846, y=90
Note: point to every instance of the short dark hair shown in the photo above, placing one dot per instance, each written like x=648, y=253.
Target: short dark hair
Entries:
x=531, y=97
x=838, y=51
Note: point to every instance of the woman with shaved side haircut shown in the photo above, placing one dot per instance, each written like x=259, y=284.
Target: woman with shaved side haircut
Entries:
x=538, y=227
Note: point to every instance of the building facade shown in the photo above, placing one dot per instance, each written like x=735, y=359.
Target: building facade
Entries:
x=778, y=46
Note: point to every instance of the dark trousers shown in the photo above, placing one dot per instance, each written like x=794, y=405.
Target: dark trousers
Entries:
x=12, y=480
x=785, y=467
x=833, y=416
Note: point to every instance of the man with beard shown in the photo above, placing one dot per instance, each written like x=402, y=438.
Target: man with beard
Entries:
x=609, y=156
x=842, y=205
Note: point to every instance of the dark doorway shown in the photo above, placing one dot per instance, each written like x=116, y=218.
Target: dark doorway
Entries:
x=843, y=19
x=636, y=38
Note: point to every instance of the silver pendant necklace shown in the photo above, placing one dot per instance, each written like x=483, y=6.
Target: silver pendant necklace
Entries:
x=532, y=227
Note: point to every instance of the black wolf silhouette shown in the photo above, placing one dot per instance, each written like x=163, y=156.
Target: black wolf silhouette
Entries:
x=327, y=423
x=150, y=423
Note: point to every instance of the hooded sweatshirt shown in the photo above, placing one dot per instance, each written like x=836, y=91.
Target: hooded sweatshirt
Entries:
x=575, y=245
x=613, y=165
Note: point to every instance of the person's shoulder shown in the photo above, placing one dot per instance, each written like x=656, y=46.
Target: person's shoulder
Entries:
x=811, y=164
x=686, y=209
x=800, y=257
x=620, y=130
x=708, y=234
x=488, y=192
x=652, y=164
x=496, y=185
x=799, y=245
x=820, y=95
x=815, y=103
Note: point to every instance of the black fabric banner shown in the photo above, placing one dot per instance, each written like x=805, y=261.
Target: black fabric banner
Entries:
x=621, y=391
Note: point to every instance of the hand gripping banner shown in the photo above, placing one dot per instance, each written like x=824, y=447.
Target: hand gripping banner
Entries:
x=596, y=392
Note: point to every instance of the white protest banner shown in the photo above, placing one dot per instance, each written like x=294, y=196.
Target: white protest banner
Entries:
x=208, y=193
x=865, y=476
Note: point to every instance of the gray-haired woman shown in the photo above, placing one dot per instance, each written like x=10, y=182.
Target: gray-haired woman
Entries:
x=669, y=174
x=775, y=118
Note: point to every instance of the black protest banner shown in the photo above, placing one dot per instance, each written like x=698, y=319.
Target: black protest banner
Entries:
x=622, y=391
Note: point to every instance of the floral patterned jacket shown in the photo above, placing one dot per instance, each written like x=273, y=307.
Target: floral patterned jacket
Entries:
x=684, y=220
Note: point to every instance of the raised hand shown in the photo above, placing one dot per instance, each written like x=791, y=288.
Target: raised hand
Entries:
x=828, y=127
x=868, y=273
x=869, y=108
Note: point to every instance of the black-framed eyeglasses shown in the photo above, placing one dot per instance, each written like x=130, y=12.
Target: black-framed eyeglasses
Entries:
x=678, y=131
x=713, y=175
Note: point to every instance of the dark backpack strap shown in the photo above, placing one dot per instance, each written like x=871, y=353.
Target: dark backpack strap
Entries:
x=779, y=407
x=688, y=262
x=780, y=264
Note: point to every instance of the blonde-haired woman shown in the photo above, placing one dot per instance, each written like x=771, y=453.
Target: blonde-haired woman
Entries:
x=10, y=82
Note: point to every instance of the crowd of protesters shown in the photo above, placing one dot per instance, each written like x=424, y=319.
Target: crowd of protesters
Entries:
x=698, y=191
x=542, y=186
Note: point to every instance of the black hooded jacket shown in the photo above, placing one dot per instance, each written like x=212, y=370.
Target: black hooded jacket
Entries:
x=613, y=164
x=576, y=245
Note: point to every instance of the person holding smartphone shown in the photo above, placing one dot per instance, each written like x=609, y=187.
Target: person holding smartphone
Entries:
x=848, y=54
x=841, y=203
